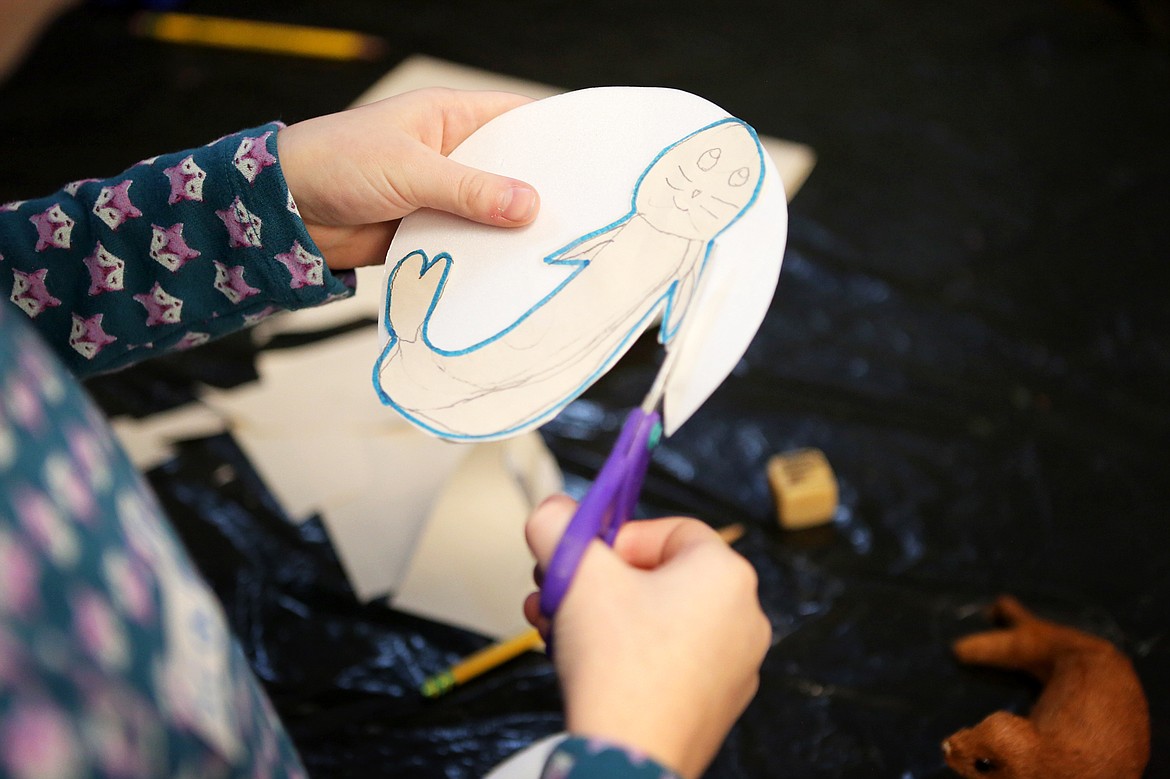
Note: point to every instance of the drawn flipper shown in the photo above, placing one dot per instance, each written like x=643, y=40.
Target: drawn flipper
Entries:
x=413, y=291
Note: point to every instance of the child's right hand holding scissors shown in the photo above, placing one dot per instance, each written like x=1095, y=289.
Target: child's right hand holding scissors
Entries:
x=659, y=640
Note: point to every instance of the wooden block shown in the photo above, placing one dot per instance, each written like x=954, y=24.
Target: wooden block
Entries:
x=804, y=488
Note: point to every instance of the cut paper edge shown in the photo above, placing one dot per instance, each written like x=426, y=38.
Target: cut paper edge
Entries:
x=447, y=386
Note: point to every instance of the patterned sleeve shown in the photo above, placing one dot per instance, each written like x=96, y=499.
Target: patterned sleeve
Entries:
x=581, y=758
x=173, y=252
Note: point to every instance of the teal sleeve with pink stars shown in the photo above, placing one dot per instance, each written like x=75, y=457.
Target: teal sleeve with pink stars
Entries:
x=116, y=659
x=171, y=253
x=581, y=758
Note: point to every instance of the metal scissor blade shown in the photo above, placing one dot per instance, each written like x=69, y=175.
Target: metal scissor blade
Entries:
x=653, y=400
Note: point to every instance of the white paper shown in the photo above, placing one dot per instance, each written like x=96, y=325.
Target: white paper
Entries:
x=420, y=71
x=322, y=443
x=150, y=441
x=472, y=567
x=528, y=762
x=490, y=332
x=375, y=529
x=320, y=386
x=794, y=161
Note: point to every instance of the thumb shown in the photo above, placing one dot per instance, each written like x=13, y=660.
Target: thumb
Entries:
x=546, y=525
x=446, y=185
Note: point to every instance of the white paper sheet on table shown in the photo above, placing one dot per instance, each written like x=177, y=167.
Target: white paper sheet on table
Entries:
x=794, y=161
x=471, y=568
x=319, y=386
x=323, y=444
x=149, y=441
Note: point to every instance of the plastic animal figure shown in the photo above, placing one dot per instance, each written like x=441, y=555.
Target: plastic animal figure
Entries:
x=1090, y=722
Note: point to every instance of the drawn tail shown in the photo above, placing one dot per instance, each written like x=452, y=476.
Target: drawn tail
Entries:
x=413, y=291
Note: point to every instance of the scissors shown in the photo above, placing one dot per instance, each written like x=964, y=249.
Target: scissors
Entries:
x=612, y=498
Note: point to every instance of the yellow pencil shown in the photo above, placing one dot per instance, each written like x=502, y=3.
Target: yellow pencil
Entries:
x=270, y=37
x=497, y=654
x=482, y=661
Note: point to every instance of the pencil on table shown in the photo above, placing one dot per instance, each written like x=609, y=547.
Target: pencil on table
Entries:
x=482, y=661
x=269, y=37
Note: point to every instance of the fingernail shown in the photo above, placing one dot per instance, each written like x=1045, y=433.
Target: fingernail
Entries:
x=517, y=204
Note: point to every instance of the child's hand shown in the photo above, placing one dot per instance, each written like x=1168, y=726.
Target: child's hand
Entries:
x=354, y=174
x=659, y=640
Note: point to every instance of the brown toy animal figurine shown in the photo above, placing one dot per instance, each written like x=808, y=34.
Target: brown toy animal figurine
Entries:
x=1090, y=722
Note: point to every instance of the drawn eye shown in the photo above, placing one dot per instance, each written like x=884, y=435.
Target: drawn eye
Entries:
x=738, y=178
x=983, y=765
x=709, y=158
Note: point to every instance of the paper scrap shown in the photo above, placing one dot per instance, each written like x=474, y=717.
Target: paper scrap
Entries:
x=150, y=441
x=375, y=530
x=363, y=305
x=794, y=161
x=472, y=567
x=323, y=444
x=319, y=386
x=529, y=761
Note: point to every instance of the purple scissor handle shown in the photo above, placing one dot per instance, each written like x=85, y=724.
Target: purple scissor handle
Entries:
x=605, y=507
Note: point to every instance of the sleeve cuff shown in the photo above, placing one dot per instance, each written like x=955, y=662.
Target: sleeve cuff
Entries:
x=583, y=758
x=295, y=269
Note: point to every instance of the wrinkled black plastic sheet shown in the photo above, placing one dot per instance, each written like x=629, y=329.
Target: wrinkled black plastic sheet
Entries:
x=344, y=675
x=971, y=322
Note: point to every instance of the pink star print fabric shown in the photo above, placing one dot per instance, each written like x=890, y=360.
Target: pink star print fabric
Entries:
x=173, y=252
x=115, y=658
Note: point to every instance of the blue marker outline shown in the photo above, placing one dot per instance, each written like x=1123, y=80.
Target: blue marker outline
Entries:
x=556, y=258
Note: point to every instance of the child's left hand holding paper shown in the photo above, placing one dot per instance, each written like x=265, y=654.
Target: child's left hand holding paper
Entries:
x=354, y=174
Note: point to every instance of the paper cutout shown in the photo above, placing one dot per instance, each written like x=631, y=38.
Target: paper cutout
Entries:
x=583, y=306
